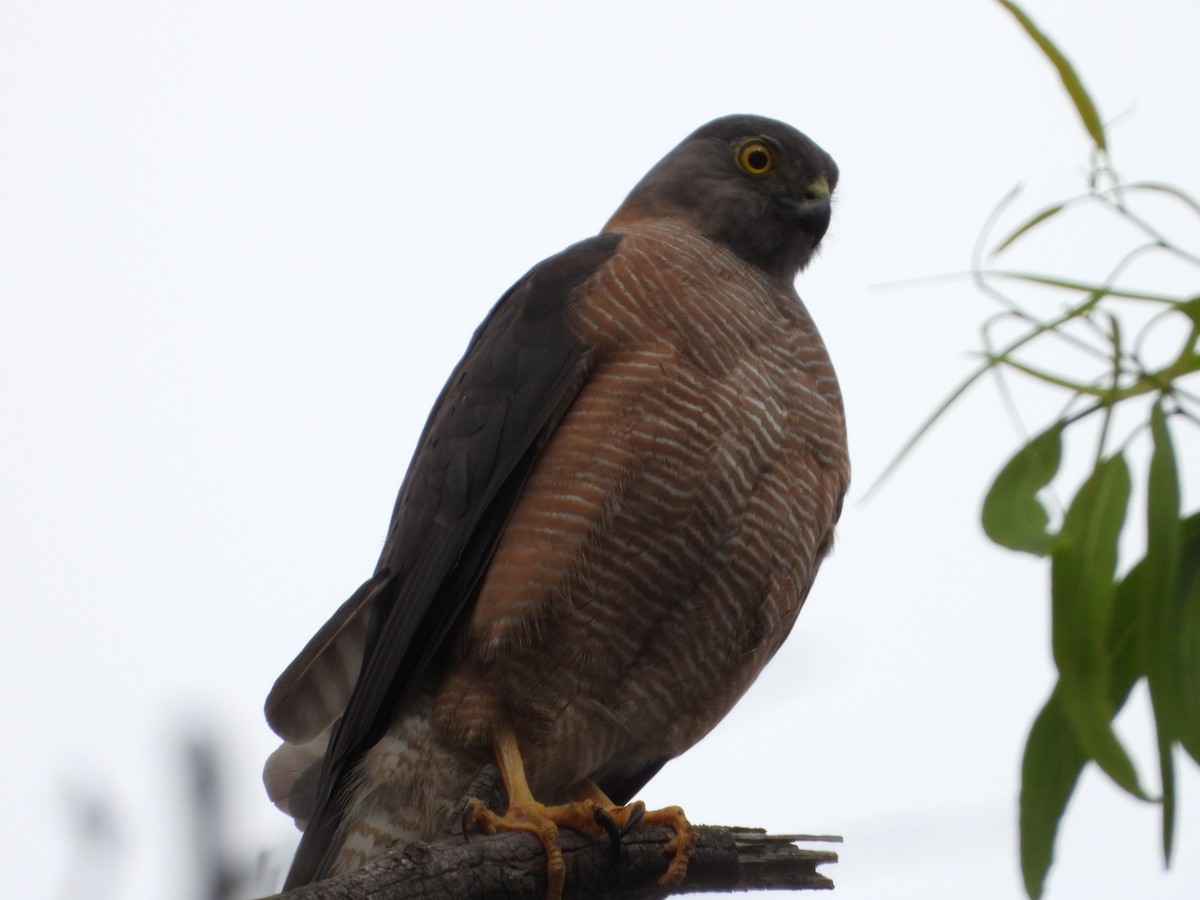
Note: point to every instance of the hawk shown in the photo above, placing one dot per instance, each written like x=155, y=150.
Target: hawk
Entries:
x=613, y=516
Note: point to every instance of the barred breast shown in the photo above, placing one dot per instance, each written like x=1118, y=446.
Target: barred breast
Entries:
x=672, y=526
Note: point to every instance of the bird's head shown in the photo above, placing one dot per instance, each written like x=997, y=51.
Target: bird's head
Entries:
x=756, y=185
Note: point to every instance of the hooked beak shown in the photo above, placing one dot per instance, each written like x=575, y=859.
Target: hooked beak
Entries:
x=814, y=210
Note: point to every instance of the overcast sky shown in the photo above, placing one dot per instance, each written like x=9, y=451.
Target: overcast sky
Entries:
x=243, y=243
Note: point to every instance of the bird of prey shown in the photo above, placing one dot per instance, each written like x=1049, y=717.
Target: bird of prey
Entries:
x=612, y=518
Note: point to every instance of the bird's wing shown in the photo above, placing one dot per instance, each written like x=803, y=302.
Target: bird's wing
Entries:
x=315, y=688
x=521, y=372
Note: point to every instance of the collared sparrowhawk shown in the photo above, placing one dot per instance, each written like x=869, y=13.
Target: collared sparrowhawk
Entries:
x=616, y=509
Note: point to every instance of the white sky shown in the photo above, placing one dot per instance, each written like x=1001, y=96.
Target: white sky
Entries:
x=243, y=243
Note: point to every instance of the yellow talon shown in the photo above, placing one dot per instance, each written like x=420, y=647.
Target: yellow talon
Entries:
x=526, y=814
x=681, y=845
x=534, y=818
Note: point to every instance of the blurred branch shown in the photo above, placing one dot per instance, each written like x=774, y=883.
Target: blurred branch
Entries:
x=92, y=871
x=218, y=871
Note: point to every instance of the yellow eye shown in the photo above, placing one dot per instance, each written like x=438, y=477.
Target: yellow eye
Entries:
x=755, y=157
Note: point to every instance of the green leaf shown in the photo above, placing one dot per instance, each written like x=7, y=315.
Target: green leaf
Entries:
x=1050, y=768
x=1082, y=600
x=1161, y=608
x=1095, y=291
x=1125, y=644
x=1166, y=765
x=1079, y=95
x=1027, y=225
x=1189, y=658
x=924, y=428
x=1191, y=309
x=1163, y=188
x=1053, y=757
x=1012, y=515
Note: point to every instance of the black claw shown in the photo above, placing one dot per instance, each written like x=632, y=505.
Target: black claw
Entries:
x=635, y=817
x=605, y=820
x=464, y=819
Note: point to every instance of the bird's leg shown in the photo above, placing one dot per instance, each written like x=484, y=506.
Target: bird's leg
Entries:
x=592, y=813
x=624, y=819
x=524, y=813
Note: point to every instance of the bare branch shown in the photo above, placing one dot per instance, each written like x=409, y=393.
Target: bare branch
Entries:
x=512, y=866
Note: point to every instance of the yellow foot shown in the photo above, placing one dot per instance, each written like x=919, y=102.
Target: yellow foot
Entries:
x=681, y=845
x=544, y=821
x=592, y=812
x=628, y=817
x=591, y=818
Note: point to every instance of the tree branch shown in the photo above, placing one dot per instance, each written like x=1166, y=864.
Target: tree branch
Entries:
x=512, y=865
